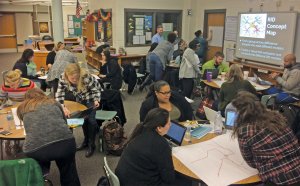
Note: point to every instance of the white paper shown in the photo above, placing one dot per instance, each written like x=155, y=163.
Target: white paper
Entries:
x=259, y=87
x=142, y=40
x=139, y=32
x=223, y=157
x=230, y=54
x=18, y=122
x=217, y=36
x=231, y=28
x=70, y=18
x=136, y=40
x=148, y=36
x=71, y=31
x=70, y=24
x=167, y=27
x=139, y=23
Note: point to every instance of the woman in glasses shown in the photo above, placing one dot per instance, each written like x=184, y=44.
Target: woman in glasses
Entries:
x=161, y=96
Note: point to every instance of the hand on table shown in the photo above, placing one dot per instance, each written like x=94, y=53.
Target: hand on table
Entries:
x=66, y=112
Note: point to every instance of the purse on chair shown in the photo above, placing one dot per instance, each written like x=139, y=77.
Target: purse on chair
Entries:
x=200, y=113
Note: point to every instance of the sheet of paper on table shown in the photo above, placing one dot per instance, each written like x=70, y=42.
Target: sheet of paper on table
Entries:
x=18, y=122
x=218, y=162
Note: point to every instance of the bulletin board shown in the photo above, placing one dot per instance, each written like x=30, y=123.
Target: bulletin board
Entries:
x=74, y=25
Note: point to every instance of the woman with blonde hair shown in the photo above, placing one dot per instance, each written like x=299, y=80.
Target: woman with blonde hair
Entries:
x=235, y=83
x=15, y=87
x=86, y=90
x=51, y=56
x=48, y=137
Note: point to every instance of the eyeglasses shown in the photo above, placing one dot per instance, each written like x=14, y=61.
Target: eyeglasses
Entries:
x=165, y=93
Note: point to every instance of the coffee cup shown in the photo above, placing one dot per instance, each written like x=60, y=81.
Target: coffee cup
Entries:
x=223, y=75
x=246, y=74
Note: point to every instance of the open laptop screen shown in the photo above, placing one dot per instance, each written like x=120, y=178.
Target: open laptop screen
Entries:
x=176, y=133
x=230, y=117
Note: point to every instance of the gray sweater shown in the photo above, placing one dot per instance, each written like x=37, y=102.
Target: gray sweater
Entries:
x=44, y=126
x=290, y=80
x=189, y=66
x=164, y=51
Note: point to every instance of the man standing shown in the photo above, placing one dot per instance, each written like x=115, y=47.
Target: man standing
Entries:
x=216, y=63
x=289, y=83
x=157, y=38
x=201, y=51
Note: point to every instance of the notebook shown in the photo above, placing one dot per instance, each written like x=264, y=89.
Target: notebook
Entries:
x=215, y=73
x=230, y=117
x=81, y=114
x=175, y=134
x=200, y=131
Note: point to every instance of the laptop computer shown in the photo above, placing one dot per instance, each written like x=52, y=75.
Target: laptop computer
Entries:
x=175, y=134
x=211, y=114
x=215, y=73
x=230, y=118
x=81, y=114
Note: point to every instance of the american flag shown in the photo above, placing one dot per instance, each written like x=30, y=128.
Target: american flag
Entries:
x=78, y=8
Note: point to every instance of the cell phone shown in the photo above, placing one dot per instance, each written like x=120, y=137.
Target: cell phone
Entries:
x=5, y=132
x=200, y=122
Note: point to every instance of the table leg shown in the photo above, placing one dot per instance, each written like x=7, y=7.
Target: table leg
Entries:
x=1, y=148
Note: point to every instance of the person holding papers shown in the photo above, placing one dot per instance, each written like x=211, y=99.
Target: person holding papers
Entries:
x=289, y=82
x=216, y=63
x=86, y=90
x=147, y=159
x=48, y=137
x=266, y=142
x=230, y=88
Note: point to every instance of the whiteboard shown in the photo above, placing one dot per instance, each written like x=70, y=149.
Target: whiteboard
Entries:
x=217, y=36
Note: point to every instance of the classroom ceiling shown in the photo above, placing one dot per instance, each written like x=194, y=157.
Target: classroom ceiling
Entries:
x=83, y=3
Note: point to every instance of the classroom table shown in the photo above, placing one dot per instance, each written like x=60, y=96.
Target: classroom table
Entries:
x=216, y=83
x=18, y=134
x=182, y=169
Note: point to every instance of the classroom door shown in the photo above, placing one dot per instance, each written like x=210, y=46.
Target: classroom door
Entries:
x=214, y=20
x=8, y=41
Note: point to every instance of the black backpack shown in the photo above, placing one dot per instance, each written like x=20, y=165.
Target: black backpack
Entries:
x=292, y=114
x=113, y=138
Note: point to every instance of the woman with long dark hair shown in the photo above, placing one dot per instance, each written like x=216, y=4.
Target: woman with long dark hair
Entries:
x=147, y=159
x=161, y=96
x=110, y=71
x=266, y=142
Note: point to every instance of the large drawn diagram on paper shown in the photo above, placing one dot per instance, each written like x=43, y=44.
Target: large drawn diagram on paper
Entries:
x=253, y=25
x=217, y=162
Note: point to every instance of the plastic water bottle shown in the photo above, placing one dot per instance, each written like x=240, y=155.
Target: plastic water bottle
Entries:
x=188, y=136
x=10, y=121
x=218, y=123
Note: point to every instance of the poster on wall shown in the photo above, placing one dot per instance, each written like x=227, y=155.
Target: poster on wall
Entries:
x=136, y=40
x=139, y=23
x=217, y=39
x=148, y=36
x=148, y=23
x=142, y=40
x=43, y=27
x=139, y=32
x=167, y=27
x=77, y=25
x=231, y=25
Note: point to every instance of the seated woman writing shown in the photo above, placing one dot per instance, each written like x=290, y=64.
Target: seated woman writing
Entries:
x=147, y=159
x=110, y=71
x=266, y=142
x=48, y=137
x=86, y=90
x=14, y=89
x=161, y=96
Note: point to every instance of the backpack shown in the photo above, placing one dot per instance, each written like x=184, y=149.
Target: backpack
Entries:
x=103, y=181
x=113, y=138
x=292, y=114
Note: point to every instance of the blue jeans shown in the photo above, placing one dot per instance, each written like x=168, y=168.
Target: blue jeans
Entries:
x=282, y=97
x=156, y=67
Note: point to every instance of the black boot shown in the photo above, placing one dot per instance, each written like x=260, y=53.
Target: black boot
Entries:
x=90, y=151
x=83, y=145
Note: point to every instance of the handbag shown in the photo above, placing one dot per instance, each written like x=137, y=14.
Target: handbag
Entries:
x=200, y=113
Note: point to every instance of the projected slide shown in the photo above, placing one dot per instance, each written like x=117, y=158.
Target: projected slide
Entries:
x=253, y=25
x=266, y=37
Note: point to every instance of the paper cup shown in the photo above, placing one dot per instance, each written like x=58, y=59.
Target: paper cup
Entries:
x=246, y=74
